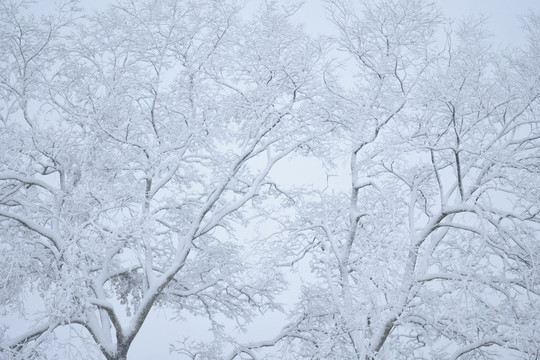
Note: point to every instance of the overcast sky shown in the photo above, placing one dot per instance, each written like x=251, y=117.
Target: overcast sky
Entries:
x=503, y=15
x=503, y=21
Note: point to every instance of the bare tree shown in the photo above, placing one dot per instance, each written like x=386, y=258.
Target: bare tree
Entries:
x=131, y=142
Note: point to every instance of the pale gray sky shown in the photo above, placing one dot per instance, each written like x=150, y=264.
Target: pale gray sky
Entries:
x=502, y=15
x=503, y=21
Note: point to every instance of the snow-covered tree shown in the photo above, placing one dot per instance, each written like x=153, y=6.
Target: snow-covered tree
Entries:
x=137, y=143
x=432, y=252
x=130, y=143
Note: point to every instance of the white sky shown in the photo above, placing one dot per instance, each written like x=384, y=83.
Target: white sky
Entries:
x=156, y=335
x=503, y=20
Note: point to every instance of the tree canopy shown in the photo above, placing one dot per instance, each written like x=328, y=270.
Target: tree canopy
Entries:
x=137, y=150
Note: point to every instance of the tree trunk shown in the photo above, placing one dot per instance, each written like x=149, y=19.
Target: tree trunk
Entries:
x=121, y=355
